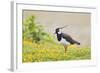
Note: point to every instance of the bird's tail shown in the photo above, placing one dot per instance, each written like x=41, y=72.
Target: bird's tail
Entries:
x=77, y=43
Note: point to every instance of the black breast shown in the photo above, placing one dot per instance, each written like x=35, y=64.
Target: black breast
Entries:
x=59, y=36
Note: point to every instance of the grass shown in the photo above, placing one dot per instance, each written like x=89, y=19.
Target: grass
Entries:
x=33, y=52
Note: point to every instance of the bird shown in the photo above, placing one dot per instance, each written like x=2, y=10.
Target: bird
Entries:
x=65, y=39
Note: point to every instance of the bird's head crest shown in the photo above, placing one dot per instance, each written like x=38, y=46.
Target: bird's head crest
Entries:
x=58, y=29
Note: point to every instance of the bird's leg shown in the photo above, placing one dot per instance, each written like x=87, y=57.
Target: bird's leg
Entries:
x=65, y=48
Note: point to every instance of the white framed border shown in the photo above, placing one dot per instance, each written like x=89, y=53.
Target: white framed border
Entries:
x=16, y=60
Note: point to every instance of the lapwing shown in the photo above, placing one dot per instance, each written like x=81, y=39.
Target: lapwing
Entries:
x=65, y=39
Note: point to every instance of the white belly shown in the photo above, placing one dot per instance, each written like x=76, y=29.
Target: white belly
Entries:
x=64, y=42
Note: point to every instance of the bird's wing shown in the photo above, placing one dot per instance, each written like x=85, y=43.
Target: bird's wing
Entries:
x=68, y=38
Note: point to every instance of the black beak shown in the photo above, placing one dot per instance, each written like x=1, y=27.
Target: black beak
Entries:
x=54, y=33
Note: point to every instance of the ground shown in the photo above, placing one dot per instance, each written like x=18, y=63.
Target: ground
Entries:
x=41, y=52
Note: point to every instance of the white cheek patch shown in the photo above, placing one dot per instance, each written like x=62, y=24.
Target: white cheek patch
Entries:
x=59, y=32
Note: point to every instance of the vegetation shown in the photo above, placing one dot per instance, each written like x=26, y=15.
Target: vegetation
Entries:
x=35, y=32
x=39, y=46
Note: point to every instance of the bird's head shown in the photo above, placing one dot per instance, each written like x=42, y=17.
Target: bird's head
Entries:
x=58, y=30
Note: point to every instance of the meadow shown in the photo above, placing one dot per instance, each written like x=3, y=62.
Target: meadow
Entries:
x=41, y=52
